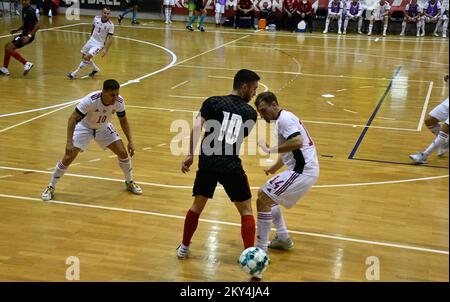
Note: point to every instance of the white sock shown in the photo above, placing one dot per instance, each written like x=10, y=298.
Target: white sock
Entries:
x=264, y=223
x=166, y=13
x=60, y=169
x=217, y=18
x=327, y=23
x=444, y=27
x=385, y=28
x=125, y=165
x=339, y=24
x=418, y=25
x=278, y=221
x=434, y=129
x=81, y=66
x=345, y=24
x=441, y=139
x=370, y=28
x=91, y=62
x=360, y=24
x=403, y=26
x=170, y=13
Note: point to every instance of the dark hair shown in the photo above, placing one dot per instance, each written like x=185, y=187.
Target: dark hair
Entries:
x=244, y=76
x=266, y=97
x=111, y=85
x=107, y=8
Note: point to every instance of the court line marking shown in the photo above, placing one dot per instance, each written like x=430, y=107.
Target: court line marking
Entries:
x=354, y=112
x=396, y=59
x=179, y=85
x=369, y=122
x=6, y=176
x=253, y=188
x=212, y=221
x=297, y=73
x=424, y=109
x=171, y=64
x=187, y=96
x=50, y=28
x=363, y=38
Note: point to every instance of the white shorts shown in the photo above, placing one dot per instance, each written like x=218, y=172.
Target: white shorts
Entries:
x=378, y=17
x=169, y=2
x=444, y=17
x=440, y=112
x=91, y=48
x=104, y=137
x=428, y=19
x=288, y=187
x=220, y=8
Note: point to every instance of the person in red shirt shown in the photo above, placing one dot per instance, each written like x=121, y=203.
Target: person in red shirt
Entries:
x=288, y=16
x=305, y=13
x=245, y=8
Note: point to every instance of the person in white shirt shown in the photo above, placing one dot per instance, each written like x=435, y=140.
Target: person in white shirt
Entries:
x=413, y=13
x=380, y=13
x=444, y=18
x=431, y=14
x=91, y=121
x=354, y=13
x=99, y=42
x=335, y=9
x=298, y=152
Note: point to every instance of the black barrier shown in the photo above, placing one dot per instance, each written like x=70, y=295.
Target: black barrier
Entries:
x=118, y=5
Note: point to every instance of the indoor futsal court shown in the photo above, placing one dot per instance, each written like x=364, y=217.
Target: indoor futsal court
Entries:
x=363, y=99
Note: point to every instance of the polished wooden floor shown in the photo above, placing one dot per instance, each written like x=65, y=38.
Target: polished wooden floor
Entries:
x=375, y=204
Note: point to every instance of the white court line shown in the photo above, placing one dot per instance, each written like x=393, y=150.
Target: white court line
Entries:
x=146, y=148
x=179, y=85
x=220, y=187
x=348, y=53
x=354, y=112
x=112, y=156
x=424, y=109
x=5, y=176
x=75, y=164
x=187, y=97
x=386, y=118
x=297, y=73
x=94, y=160
x=341, y=90
x=161, y=145
x=38, y=109
x=51, y=28
x=132, y=211
x=364, y=87
x=161, y=109
x=218, y=77
x=330, y=103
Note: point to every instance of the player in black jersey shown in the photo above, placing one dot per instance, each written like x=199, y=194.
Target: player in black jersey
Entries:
x=29, y=28
x=227, y=121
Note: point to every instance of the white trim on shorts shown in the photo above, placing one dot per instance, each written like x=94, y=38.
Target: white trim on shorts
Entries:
x=104, y=137
x=91, y=48
x=288, y=187
x=220, y=8
x=440, y=112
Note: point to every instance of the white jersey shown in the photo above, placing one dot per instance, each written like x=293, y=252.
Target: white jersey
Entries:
x=380, y=9
x=101, y=31
x=96, y=115
x=303, y=160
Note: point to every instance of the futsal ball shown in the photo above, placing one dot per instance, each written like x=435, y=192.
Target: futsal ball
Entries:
x=254, y=261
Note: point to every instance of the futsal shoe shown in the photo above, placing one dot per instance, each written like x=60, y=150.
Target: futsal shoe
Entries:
x=189, y=28
x=48, y=193
x=281, y=244
x=94, y=72
x=133, y=188
x=182, y=252
x=27, y=68
x=4, y=71
x=70, y=76
x=120, y=20
x=419, y=158
x=443, y=149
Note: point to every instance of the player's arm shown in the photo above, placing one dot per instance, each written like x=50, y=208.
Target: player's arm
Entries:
x=127, y=131
x=193, y=142
x=108, y=43
x=73, y=119
x=293, y=142
x=277, y=166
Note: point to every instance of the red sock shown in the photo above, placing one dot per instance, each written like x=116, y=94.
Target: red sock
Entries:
x=18, y=57
x=248, y=230
x=6, y=59
x=190, y=225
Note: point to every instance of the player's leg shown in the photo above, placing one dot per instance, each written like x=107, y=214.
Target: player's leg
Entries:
x=135, y=12
x=204, y=186
x=346, y=24
x=444, y=28
x=327, y=24
x=194, y=17
x=404, y=24
x=372, y=20
x=339, y=20
x=118, y=148
x=264, y=204
x=419, y=27
x=360, y=22
x=122, y=15
x=385, y=24
x=202, y=18
x=441, y=139
x=218, y=14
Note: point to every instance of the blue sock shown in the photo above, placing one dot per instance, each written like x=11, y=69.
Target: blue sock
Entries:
x=134, y=15
x=124, y=13
x=201, y=21
x=194, y=17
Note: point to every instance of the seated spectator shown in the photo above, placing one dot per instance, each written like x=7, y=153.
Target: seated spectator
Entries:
x=380, y=13
x=335, y=9
x=305, y=13
x=431, y=14
x=354, y=13
x=245, y=8
x=413, y=13
x=46, y=6
x=444, y=18
x=288, y=15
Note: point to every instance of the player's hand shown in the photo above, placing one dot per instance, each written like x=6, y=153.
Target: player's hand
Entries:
x=131, y=149
x=187, y=162
x=263, y=145
x=69, y=147
x=269, y=171
x=446, y=78
x=25, y=39
x=104, y=52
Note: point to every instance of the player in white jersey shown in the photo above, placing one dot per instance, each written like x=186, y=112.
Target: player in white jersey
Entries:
x=380, y=12
x=91, y=121
x=298, y=152
x=438, y=114
x=100, y=41
x=444, y=18
x=354, y=13
x=168, y=7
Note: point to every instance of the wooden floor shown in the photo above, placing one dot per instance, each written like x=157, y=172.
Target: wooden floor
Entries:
x=375, y=204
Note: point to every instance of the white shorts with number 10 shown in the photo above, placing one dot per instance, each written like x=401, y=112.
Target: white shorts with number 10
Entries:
x=104, y=137
x=288, y=187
